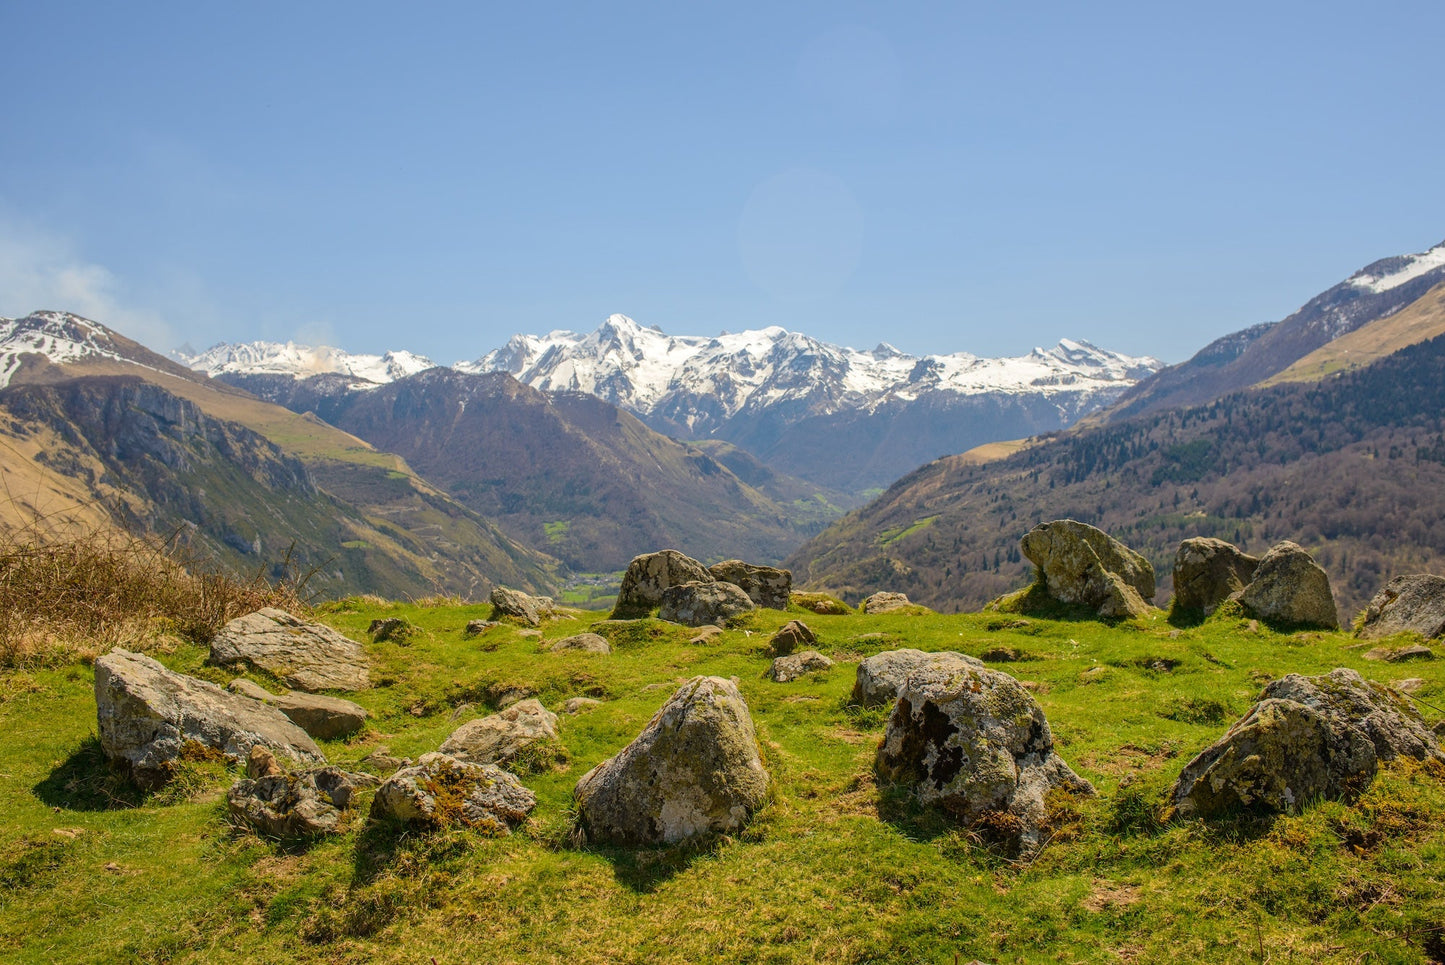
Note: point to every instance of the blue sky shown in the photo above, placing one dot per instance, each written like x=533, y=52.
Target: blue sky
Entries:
x=977, y=177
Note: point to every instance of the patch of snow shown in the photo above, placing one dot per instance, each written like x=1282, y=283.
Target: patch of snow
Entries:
x=59, y=336
x=1414, y=267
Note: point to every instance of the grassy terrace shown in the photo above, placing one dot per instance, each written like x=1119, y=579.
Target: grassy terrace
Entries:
x=835, y=869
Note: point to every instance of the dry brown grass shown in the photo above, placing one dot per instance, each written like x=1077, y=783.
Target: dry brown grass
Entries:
x=79, y=597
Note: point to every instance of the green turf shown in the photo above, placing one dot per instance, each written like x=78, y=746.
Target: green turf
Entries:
x=834, y=869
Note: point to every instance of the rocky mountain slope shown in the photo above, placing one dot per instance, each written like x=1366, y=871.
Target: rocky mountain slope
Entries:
x=100, y=431
x=565, y=472
x=789, y=399
x=1254, y=355
x=1352, y=468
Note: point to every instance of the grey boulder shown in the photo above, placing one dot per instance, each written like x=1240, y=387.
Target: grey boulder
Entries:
x=695, y=769
x=305, y=654
x=582, y=643
x=290, y=806
x=1084, y=565
x=885, y=602
x=1307, y=737
x=648, y=576
x=1208, y=571
x=881, y=677
x=697, y=604
x=499, y=738
x=531, y=610
x=975, y=743
x=766, y=586
x=323, y=717
x=147, y=715
x=1406, y=604
x=439, y=791
x=1290, y=589
x=794, y=634
x=795, y=665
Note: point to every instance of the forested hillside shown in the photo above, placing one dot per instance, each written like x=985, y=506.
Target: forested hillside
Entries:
x=1352, y=468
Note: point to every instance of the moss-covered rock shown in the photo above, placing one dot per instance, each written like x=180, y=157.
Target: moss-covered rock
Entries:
x=440, y=791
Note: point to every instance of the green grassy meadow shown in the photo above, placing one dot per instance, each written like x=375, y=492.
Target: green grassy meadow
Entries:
x=834, y=869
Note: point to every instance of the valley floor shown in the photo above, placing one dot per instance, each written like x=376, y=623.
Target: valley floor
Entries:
x=834, y=869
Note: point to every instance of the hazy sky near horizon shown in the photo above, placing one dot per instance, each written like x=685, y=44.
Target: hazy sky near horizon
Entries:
x=980, y=177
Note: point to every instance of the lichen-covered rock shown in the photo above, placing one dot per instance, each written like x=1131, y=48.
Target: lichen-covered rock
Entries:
x=1307, y=737
x=796, y=665
x=582, y=643
x=885, y=602
x=289, y=806
x=975, y=743
x=499, y=738
x=766, y=586
x=323, y=717
x=881, y=676
x=147, y=714
x=531, y=610
x=1208, y=571
x=1290, y=589
x=794, y=634
x=648, y=576
x=395, y=629
x=697, y=604
x=440, y=791
x=306, y=655
x=694, y=769
x=1406, y=604
x=1084, y=565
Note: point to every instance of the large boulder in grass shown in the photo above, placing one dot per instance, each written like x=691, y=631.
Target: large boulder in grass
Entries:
x=440, y=791
x=531, y=610
x=499, y=738
x=766, y=586
x=302, y=805
x=695, y=769
x=1208, y=571
x=305, y=654
x=880, y=677
x=648, y=576
x=975, y=743
x=1084, y=565
x=886, y=602
x=1406, y=604
x=323, y=717
x=1307, y=737
x=1290, y=589
x=700, y=604
x=147, y=715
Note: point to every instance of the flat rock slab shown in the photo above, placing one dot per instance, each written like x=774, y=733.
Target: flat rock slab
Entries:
x=439, y=791
x=147, y=714
x=1407, y=604
x=500, y=737
x=323, y=717
x=306, y=655
x=695, y=769
x=795, y=665
x=881, y=676
x=582, y=643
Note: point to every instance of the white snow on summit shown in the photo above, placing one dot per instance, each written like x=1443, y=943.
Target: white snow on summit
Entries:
x=299, y=361
x=1414, y=266
x=59, y=336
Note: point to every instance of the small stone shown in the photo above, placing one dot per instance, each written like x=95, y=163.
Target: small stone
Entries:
x=394, y=629
x=1400, y=654
x=262, y=763
x=885, y=602
x=793, y=666
x=576, y=705
x=794, y=634
x=499, y=738
x=475, y=627
x=582, y=643
x=1410, y=685
x=706, y=635
x=1001, y=655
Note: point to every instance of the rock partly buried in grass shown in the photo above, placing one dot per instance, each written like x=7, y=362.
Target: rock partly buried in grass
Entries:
x=306, y=655
x=395, y=629
x=881, y=676
x=302, y=805
x=975, y=743
x=516, y=605
x=698, y=604
x=1307, y=737
x=648, y=576
x=1406, y=604
x=323, y=717
x=794, y=634
x=1414, y=651
x=706, y=634
x=766, y=586
x=695, y=769
x=148, y=714
x=440, y=791
x=582, y=643
x=504, y=735
x=1290, y=589
x=475, y=627
x=796, y=665
x=823, y=604
x=1086, y=566
x=576, y=705
x=885, y=602
x=1208, y=571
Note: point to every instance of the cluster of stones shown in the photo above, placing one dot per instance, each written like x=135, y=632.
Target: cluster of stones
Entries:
x=684, y=591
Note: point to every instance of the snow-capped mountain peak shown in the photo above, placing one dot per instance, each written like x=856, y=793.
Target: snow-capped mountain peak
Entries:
x=1393, y=272
x=58, y=336
x=299, y=361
